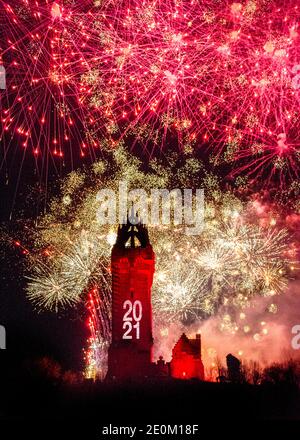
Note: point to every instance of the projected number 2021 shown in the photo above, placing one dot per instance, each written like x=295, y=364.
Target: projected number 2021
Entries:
x=131, y=319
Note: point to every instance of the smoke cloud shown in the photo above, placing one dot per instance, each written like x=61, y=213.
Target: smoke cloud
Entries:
x=262, y=333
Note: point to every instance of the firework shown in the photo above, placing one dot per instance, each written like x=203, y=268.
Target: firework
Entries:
x=69, y=272
x=233, y=260
x=221, y=75
x=49, y=291
x=96, y=353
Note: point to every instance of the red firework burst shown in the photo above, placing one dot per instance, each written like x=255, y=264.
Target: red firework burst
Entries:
x=219, y=75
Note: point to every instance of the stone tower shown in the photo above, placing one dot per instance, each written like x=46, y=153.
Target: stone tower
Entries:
x=132, y=264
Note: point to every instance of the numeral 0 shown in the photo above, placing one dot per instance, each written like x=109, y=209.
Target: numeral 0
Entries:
x=134, y=312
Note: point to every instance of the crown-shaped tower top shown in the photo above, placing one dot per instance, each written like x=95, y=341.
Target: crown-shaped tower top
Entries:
x=132, y=232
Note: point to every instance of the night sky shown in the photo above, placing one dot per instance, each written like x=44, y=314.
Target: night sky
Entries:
x=30, y=334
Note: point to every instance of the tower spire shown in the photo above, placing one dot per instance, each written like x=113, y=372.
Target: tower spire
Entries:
x=131, y=231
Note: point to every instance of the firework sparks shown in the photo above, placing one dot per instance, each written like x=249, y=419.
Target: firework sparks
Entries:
x=210, y=73
x=233, y=260
x=96, y=353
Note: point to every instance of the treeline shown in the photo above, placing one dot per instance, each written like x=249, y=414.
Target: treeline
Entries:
x=251, y=372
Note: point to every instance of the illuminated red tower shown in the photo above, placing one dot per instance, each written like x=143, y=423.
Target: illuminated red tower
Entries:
x=132, y=262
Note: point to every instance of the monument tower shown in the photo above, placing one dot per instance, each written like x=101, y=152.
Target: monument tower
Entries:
x=132, y=264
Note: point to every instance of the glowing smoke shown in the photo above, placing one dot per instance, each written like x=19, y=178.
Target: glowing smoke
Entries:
x=267, y=339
